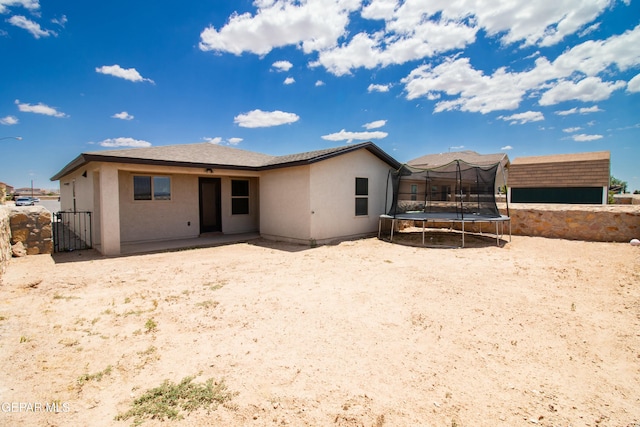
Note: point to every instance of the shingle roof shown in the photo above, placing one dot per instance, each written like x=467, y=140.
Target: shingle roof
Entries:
x=435, y=160
x=318, y=155
x=215, y=156
x=191, y=153
x=561, y=170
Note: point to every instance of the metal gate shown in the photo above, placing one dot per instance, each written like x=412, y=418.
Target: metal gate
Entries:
x=71, y=231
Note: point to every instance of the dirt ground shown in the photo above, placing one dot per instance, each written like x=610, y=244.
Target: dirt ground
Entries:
x=363, y=333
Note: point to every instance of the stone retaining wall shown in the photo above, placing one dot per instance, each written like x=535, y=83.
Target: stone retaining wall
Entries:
x=31, y=225
x=5, y=239
x=593, y=223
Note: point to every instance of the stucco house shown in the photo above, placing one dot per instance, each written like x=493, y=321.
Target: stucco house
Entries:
x=182, y=191
x=580, y=178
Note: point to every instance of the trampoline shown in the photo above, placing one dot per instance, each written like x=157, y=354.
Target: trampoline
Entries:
x=455, y=194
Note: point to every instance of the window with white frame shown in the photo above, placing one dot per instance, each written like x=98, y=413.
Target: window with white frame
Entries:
x=146, y=187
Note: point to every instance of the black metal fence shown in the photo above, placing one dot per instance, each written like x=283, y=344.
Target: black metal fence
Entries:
x=71, y=231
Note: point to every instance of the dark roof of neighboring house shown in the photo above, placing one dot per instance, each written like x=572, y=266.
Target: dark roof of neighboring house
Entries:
x=471, y=157
x=561, y=170
x=207, y=155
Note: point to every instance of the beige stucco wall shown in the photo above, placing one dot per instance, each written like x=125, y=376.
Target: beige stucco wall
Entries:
x=84, y=191
x=332, y=188
x=178, y=218
x=84, y=188
x=316, y=203
x=145, y=220
x=285, y=204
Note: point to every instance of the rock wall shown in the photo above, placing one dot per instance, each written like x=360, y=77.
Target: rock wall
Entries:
x=5, y=239
x=32, y=227
x=593, y=223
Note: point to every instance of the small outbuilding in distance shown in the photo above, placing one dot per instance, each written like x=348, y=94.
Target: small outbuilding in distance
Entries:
x=581, y=178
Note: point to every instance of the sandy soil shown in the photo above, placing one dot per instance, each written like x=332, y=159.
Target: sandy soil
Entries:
x=364, y=333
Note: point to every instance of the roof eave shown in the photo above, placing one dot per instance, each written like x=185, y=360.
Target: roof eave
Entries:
x=85, y=158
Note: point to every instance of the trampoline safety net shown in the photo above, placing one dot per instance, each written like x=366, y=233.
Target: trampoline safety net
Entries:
x=457, y=190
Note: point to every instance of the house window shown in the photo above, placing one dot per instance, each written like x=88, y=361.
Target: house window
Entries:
x=414, y=192
x=362, y=196
x=151, y=188
x=239, y=197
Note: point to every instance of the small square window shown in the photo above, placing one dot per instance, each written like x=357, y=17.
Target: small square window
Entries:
x=141, y=188
x=239, y=188
x=362, y=206
x=362, y=186
x=240, y=206
x=161, y=188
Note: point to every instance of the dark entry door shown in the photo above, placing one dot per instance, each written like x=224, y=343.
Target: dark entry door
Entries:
x=210, y=217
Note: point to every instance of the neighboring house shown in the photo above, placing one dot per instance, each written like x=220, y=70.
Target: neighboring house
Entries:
x=563, y=178
x=182, y=191
x=8, y=188
x=435, y=160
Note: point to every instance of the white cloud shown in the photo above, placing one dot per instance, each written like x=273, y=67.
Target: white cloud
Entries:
x=411, y=30
x=634, y=84
x=62, y=21
x=475, y=91
x=40, y=108
x=319, y=83
x=289, y=80
x=343, y=135
x=219, y=141
x=259, y=119
x=123, y=116
x=469, y=89
x=216, y=140
x=590, y=29
x=312, y=24
x=31, y=5
x=31, y=26
x=130, y=74
x=375, y=125
x=586, y=90
x=506, y=147
x=583, y=137
x=584, y=110
x=9, y=120
x=378, y=88
x=522, y=118
x=124, y=142
x=587, y=110
x=396, y=47
x=282, y=65
x=379, y=9
x=571, y=130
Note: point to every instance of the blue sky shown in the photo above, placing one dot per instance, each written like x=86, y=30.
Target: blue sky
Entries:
x=415, y=77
